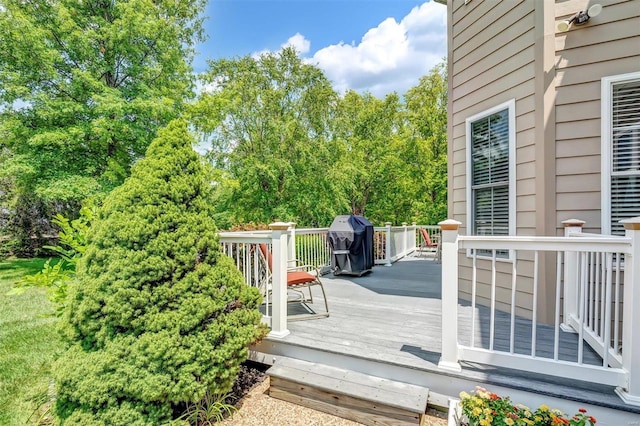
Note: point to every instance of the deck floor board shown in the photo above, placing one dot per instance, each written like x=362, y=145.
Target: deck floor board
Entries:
x=388, y=323
x=394, y=314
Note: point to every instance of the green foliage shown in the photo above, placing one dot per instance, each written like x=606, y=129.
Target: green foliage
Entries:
x=56, y=277
x=158, y=315
x=73, y=235
x=268, y=122
x=286, y=146
x=84, y=86
x=426, y=145
x=367, y=129
x=28, y=345
x=53, y=276
x=211, y=410
x=26, y=230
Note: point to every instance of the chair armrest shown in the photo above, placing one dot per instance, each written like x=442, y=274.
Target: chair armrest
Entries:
x=305, y=268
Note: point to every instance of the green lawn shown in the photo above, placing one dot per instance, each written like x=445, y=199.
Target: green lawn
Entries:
x=28, y=343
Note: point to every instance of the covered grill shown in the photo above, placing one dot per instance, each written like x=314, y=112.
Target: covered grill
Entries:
x=351, y=242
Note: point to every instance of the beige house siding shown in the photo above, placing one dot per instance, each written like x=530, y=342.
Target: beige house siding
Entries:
x=608, y=45
x=503, y=50
x=505, y=70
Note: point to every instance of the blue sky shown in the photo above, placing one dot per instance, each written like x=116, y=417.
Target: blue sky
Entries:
x=367, y=45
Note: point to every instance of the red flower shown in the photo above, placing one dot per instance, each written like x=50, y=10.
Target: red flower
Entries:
x=582, y=410
x=592, y=419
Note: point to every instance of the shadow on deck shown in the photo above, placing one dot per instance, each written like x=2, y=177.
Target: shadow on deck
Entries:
x=388, y=323
x=395, y=312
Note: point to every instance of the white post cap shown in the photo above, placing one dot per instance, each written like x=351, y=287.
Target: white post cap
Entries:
x=449, y=225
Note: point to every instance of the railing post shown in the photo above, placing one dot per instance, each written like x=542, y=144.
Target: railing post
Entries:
x=279, y=279
x=449, y=241
x=414, y=227
x=291, y=244
x=571, y=284
x=631, y=315
x=387, y=244
x=405, y=239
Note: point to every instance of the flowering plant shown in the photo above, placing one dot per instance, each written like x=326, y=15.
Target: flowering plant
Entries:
x=485, y=408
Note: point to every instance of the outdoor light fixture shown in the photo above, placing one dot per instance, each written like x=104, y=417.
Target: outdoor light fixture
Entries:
x=580, y=18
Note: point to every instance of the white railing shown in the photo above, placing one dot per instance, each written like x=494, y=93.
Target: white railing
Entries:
x=380, y=249
x=242, y=247
x=586, y=300
x=592, y=308
x=392, y=243
x=289, y=245
x=434, y=234
x=312, y=247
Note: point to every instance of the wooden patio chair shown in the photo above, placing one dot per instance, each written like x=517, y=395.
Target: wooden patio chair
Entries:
x=299, y=278
x=428, y=244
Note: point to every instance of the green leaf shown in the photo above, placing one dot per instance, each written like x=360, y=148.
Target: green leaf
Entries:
x=147, y=318
x=84, y=88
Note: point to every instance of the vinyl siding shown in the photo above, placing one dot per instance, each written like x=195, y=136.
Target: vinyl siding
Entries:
x=493, y=62
x=608, y=44
x=496, y=54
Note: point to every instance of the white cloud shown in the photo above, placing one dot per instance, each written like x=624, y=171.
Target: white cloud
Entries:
x=391, y=56
x=298, y=42
x=256, y=55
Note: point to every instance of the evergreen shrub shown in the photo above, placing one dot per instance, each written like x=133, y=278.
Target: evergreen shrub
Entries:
x=158, y=316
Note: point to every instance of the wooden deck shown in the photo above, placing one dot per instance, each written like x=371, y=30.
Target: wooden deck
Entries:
x=394, y=314
x=388, y=323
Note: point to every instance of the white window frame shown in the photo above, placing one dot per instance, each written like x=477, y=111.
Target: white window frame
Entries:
x=510, y=105
x=606, y=167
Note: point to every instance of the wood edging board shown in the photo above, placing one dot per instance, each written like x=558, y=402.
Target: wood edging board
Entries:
x=351, y=408
x=403, y=396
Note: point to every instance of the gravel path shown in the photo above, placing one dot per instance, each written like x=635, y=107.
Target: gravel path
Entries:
x=257, y=408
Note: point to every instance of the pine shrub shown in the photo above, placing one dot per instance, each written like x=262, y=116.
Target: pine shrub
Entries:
x=158, y=316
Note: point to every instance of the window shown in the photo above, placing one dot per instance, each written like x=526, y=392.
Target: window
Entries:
x=490, y=171
x=620, y=151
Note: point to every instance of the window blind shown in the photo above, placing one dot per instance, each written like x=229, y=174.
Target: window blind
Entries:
x=625, y=156
x=490, y=174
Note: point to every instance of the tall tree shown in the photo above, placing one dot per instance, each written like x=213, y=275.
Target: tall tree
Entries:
x=83, y=88
x=397, y=152
x=366, y=128
x=286, y=146
x=426, y=144
x=267, y=120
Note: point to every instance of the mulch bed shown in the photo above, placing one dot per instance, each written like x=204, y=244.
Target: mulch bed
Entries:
x=251, y=374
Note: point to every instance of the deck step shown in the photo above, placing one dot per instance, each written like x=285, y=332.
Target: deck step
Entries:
x=348, y=394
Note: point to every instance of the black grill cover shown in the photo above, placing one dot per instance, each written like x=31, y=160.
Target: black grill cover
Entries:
x=351, y=242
